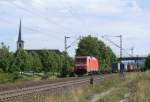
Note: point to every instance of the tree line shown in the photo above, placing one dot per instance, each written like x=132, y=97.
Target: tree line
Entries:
x=24, y=61
x=49, y=62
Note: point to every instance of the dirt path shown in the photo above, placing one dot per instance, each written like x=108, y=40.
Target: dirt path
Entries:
x=99, y=96
x=125, y=99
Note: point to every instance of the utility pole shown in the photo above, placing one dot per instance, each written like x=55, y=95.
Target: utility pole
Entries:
x=65, y=67
x=65, y=52
x=120, y=46
x=66, y=47
x=132, y=49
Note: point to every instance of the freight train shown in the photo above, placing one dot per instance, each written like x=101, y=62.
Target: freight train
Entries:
x=86, y=64
x=90, y=65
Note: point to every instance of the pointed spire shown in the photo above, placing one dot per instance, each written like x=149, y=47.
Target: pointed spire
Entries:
x=19, y=37
x=20, y=42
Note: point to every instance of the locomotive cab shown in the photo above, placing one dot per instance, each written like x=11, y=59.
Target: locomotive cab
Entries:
x=86, y=64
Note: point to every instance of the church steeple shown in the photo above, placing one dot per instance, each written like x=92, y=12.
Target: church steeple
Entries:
x=20, y=42
x=19, y=37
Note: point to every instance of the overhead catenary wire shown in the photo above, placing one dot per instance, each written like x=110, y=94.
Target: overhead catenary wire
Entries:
x=39, y=15
x=116, y=45
x=69, y=8
x=74, y=42
x=30, y=12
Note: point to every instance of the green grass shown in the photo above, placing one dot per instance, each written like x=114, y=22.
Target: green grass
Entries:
x=82, y=94
x=136, y=85
x=141, y=88
x=122, y=89
x=133, y=91
x=16, y=77
x=116, y=95
x=13, y=78
x=6, y=77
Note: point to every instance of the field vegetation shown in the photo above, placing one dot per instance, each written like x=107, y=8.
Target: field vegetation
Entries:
x=134, y=88
x=23, y=65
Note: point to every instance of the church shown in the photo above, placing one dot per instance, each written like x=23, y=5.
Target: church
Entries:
x=20, y=44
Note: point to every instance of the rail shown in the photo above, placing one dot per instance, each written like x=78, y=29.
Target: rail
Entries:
x=6, y=96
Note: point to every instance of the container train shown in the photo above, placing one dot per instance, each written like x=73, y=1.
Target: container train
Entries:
x=86, y=64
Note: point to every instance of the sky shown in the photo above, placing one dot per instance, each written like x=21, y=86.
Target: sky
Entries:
x=46, y=22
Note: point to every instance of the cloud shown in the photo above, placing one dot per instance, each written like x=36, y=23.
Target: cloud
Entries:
x=46, y=22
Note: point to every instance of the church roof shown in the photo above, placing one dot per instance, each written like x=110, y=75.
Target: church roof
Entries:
x=39, y=51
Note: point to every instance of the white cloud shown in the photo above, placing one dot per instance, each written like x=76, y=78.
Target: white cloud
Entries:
x=47, y=21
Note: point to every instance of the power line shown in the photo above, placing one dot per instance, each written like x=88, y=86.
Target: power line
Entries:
x=132, y=49
x=30, y=12
x=121, y=48
x=74, y=42
x=39, y=15
x=35, y=30
x=69, y=9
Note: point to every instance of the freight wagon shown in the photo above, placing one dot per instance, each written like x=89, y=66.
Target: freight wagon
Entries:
x=115, y=67
x=118, y=67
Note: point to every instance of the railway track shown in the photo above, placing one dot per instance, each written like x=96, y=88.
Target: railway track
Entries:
x=25, y=84
x=9, y=95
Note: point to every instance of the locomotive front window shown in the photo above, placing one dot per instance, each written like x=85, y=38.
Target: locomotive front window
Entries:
x=81, y=60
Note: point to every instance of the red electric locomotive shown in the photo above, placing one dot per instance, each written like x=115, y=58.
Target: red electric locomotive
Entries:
x=86, y=64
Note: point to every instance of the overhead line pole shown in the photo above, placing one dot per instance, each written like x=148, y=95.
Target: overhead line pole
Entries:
x=65, y=54
x=132, y=51
x=120, y=46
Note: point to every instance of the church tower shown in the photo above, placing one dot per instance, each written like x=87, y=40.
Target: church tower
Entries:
x=20, y=42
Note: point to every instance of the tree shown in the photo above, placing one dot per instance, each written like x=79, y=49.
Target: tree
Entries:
x=36, y=62
x=147, y=63
x=54, y=62
x=67, y=65
x=46, y=60
x=91, y=46
x=22, y=61
x=5, y=58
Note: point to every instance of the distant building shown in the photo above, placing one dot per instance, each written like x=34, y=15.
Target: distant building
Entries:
x=39, y=51
x=20, y=44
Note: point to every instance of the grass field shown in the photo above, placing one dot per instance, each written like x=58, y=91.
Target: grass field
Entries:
x=134, y=88
x=11, y=78
x=6, y=78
